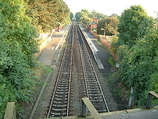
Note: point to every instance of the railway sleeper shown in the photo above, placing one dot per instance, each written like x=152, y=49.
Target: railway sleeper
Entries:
x=62, y=90
x=93, y=96
x=63, y=82
x=93, y=92
x=65, y=70
x=61, y=96
x=55, y=114
x=63, y=87
x=91, y=79
x=65, y=73
x=58, y=99
x=64, y=77
x=92, y=83
x=93, y=88
x=58, y=112
x=61, y=93
x=61, y=106
x=97, y=100
x=59, y=102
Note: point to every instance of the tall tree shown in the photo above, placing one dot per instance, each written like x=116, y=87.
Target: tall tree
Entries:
x=17, y=46
x=71, y=15
x=85, y=18
x=111, y=25
x=97, y=15
x=137, y=52
x=108, y=26
x=78, y=16
x=48, y=14
x=134, y=25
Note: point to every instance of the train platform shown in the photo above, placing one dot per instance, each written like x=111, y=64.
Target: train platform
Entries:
x=49, y=56
x=100, y=54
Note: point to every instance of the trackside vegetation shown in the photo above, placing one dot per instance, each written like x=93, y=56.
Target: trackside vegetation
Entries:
x=137, y=53
x=19, y=25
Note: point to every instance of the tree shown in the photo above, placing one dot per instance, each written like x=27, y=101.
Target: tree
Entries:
x=97, y=15
x=137, y=68
x=109, y=24
x=134, y=25
x=71, y=15
x=17, y=46
x=48, y=14
x=85, y=18
x=78, y=16
x=100, y=26
x=137, y=51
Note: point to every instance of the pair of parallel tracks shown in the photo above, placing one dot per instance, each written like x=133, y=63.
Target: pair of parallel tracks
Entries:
x=60, y=100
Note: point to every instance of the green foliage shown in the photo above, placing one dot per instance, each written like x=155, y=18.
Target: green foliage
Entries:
x=101, y=24
x=78, y=16
x=138, y=67
x=109, y=24
x=17, y=46
x=85, y=18
x=138, y=54
x=71, y=15
x=97, y=15
x=48, y=14
x=113, y=48
x=134, y=25
x=111, y=61
x=6, y=94
x=154, y=43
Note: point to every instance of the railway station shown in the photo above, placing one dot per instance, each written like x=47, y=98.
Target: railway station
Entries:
x=62, y=59
x=92, y=102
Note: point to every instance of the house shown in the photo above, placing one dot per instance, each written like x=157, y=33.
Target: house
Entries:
x=93, y=25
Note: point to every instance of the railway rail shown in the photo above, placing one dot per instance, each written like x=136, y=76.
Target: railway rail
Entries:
x=89, y=87
x=94, y=90
x=59, y=103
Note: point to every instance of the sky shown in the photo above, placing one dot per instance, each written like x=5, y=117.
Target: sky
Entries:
x=108, y=7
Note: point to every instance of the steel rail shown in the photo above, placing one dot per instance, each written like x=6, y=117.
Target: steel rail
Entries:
x=92, y=68
x=63, y=72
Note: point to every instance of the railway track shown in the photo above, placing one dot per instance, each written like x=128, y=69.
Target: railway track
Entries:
x=89, y=87
x=94, y=90
x=59, y=103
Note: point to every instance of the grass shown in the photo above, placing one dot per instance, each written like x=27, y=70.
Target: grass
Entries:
x=116, y=89
x=40, y=72
x=111, y=61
